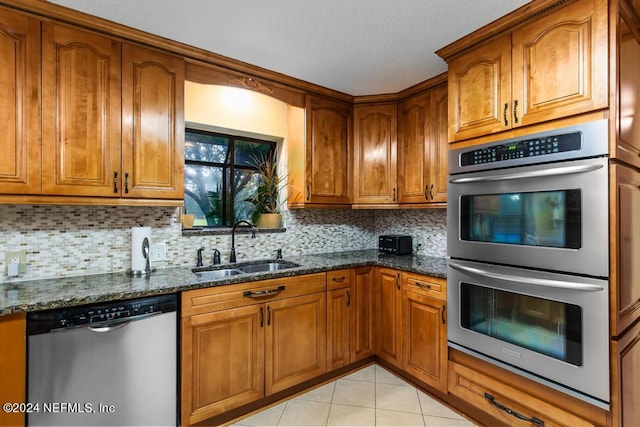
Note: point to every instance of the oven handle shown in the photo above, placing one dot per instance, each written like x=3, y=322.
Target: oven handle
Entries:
x=574, y=286
x=566, y=170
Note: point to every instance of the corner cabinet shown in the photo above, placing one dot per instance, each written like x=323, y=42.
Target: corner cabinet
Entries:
x=389, y=318
x=243, y=342
x=320, y=164
x=423, y=147
x=544, y=70
x=375, y=155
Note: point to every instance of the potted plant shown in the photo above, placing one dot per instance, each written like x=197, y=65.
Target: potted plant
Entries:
x=267, y=200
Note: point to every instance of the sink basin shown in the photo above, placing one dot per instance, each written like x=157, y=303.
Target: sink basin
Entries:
x=217, y=274
x=267, y=266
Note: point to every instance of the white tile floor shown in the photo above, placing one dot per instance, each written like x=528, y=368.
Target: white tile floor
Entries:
x=371, y=396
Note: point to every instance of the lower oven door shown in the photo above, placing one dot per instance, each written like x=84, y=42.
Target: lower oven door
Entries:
x=551, y=327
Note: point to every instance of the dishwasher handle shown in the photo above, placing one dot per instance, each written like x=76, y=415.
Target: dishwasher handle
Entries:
x=108, y=325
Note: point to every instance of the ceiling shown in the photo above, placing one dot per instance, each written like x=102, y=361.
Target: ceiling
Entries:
x=359, y=47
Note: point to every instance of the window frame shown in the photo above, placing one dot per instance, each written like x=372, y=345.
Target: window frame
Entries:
x=229, y=167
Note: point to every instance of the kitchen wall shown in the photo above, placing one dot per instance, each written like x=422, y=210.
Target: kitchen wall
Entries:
x=78, y=240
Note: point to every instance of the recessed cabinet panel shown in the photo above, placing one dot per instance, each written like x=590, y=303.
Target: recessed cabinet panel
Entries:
x=389, y=318
x=412, y=151
x=628, y=97
x=19, y=109
x=81, y=112
x=153, y=127
x=439, y=146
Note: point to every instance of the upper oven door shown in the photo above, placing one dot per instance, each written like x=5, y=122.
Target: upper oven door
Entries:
x=550, y=216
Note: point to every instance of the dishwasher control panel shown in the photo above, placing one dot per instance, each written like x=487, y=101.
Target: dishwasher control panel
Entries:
x=88, y=315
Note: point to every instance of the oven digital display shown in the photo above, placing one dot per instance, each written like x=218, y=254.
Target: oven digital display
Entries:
x=545, y=218
x=545, y=326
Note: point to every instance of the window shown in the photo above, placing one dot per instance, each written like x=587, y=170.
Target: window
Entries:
x=219, y=176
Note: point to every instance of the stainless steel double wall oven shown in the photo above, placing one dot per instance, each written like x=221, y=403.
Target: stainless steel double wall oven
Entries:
x=528, y=240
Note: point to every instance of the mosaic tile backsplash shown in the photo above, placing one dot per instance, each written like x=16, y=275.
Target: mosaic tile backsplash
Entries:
x=78, y=240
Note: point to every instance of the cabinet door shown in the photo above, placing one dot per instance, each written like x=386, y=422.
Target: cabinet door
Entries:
x=20, y=106
x=413, y=151
x=389, y=319
x=626, y=378
x=328, y=167
x=438, y=145
x=338, y=325
x=295, y=341
x=425, y=339
x=375, y=153
x=153, y=126
x=625, y=248
x=363, y=339
x=80, y=112
x=480, y=90
x=559, y=66
x=222, y=361
x=13, y=367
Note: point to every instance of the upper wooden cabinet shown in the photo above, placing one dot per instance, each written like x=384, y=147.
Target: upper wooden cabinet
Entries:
x=20, y=106
x=375, y=154
x=153, y=124
x=422, y=148
x=550, y=68
x=320, y=165
x=81, y=94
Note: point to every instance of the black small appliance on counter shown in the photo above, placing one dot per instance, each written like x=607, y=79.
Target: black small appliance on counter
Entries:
x=395, y=244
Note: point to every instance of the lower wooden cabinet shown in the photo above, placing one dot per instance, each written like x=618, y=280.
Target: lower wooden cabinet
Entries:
x=389, y=316
x=424, y=329
x=240, y=343
x=625, y=359
x=363, y=314
x=514, y=400
x=13, y=369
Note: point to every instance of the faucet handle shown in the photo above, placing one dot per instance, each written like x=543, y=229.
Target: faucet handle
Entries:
x=216, y=257
x=278, y=253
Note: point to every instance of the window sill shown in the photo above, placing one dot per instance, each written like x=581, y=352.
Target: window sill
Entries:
x=204, y=231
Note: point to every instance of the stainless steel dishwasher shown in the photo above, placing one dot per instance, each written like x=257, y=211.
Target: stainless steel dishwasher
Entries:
x=104, y=364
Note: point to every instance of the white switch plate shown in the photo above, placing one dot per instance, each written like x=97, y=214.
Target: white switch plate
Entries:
x=158, y=252
x=15, y=256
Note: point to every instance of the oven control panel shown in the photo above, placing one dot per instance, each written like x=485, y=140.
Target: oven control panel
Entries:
x=524, y=148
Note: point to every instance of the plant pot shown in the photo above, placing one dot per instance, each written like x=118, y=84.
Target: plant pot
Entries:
x=269, y=220
x=187, y=220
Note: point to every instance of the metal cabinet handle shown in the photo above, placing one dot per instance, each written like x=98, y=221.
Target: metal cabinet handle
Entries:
x=515, y=111
x=444, y=309
x=510, y=411
x=263, y=294
x=339, y=279
x=394, y=194
x=504, y=114
x=424, y=286
x=308, y=192
x=348, y=298
x=398, y=281
x=261, y=317
x=126, y=182
x=426, y=190
x=431, y=191
x=115, y=181
x=268, y=316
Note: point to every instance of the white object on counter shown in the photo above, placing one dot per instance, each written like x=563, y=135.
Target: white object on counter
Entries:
x=13, y=269
x=138, y=260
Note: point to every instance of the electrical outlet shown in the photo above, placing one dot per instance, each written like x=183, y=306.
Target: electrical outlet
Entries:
x=16, y=256
x=158, y=252
x=345, y=240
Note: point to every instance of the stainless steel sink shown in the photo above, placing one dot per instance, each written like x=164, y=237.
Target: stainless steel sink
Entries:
x=267, y=266
x=217, y=274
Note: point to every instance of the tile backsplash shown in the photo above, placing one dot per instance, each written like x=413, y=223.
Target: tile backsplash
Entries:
x=77, y=240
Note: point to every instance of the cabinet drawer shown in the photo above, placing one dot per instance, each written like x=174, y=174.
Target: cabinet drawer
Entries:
x=496, y=391
x=425, y=285
x=338, y=279
x=223, y=297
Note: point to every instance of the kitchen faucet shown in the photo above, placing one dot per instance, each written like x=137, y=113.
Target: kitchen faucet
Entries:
x=232, y=256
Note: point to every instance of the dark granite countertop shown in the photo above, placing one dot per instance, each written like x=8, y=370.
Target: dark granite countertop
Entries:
x=38, y=295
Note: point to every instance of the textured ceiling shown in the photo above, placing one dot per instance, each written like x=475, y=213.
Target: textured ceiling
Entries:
x=360, y=47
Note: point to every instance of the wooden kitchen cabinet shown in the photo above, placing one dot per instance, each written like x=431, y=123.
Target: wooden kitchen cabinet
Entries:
x=625, y=370
x=81, y=116
x=486, y=386
x=339, y=309
x=424, y=329
x=13, y=366
x=363, y=321
x=238, y=346
x=20, y=109
x=320, y=170
x=422, y=148
x=543, y=70
x=112, y=118
x=375, y=168
x=153, y=124
x=389, y=318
